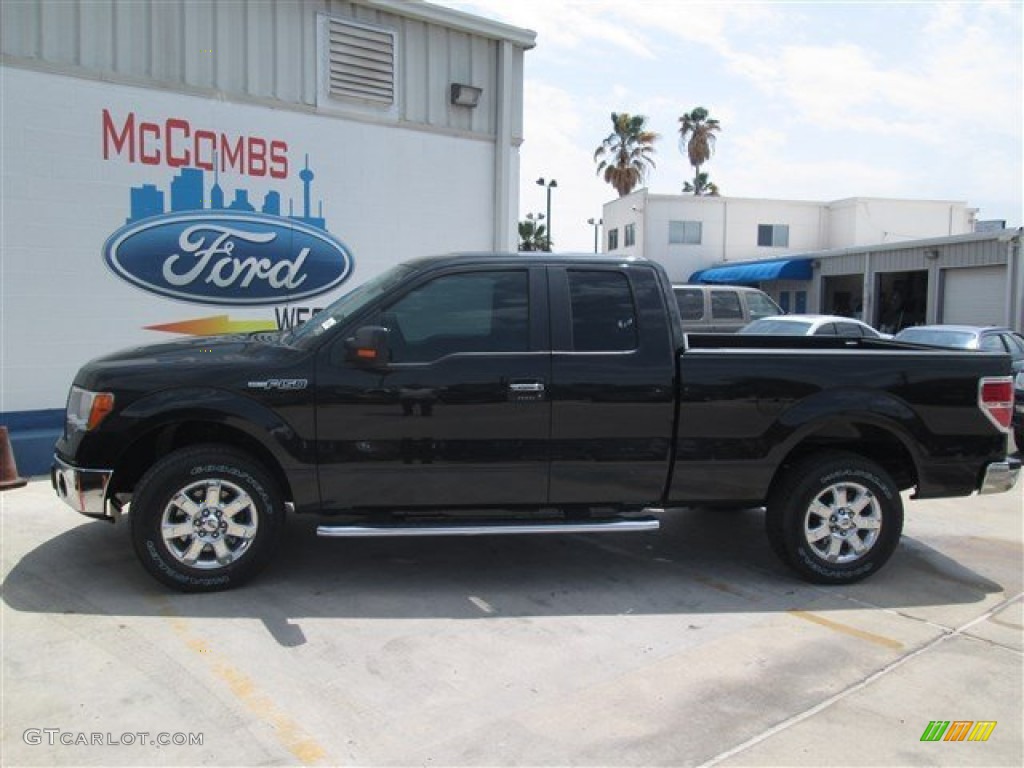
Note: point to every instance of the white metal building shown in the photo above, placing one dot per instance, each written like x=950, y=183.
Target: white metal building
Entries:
x=892, y=263
x=687, y=233
x=158, y=158
x=973, y=279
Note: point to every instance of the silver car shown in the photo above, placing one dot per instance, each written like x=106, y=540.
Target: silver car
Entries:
x=813, y=325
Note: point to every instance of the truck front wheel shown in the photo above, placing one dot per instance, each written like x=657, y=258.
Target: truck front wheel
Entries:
x=835, y=518
x=205, y=518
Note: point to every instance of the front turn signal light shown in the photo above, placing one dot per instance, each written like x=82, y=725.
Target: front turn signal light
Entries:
x=102, y=405
x=86, y=410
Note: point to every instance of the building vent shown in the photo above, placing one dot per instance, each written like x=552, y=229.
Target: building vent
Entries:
x=361, y=62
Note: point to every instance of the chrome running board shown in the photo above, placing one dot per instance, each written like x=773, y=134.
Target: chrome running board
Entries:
x=614, y=525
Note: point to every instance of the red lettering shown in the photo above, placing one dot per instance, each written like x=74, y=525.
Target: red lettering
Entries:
x=229, y=159
x=279, y=159
x=154, y=130
x=257, y=157
x=205, y=149
x=111, y=137
x=177, y=126
x=175, y=143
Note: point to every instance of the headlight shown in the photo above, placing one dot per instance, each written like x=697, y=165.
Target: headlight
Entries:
x=86, y=410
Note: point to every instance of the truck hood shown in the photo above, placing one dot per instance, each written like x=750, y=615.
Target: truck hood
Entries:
x=214, y=360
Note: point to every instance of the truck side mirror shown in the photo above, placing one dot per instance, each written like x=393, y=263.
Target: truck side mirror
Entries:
x=368, y=347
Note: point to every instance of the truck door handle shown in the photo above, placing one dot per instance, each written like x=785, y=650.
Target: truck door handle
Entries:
x=526, y=391
x=525, y=387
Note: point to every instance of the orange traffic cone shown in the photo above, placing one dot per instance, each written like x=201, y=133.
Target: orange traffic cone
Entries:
x=8, y=469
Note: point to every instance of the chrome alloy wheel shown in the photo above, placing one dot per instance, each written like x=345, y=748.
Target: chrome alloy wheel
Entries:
x=209, y=524
x=842, y=523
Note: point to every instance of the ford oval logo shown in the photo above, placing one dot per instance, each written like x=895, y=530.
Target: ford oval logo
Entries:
x=230, y=258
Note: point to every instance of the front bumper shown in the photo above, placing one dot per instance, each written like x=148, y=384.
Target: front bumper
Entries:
x=84, y=490
x=1000, y=476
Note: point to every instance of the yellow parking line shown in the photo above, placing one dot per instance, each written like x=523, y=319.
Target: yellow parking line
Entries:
x=886, y=642
x=288, y=732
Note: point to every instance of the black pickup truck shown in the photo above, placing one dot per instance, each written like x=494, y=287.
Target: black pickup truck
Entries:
x=486, y=394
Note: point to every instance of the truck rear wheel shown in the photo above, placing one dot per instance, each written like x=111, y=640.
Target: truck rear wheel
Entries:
x=835, y=518
x=205, y=518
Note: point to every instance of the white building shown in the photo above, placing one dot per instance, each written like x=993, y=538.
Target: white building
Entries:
x=891, y=262
x=154, y=154
x=687, y=233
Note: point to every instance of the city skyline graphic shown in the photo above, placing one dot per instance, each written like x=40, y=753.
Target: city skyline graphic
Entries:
x=188, y=193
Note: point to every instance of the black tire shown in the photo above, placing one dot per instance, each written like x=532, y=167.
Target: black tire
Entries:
x=824, y=533
x=226, y=507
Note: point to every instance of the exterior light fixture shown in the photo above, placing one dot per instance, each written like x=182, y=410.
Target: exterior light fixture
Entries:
x=465, y=95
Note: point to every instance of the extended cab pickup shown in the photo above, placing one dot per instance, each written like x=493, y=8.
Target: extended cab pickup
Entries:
x=485, y=394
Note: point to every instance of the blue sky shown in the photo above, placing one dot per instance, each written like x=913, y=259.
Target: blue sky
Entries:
x=817, y=101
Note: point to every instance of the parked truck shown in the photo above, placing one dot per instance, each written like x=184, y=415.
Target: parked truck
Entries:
x=489, y=394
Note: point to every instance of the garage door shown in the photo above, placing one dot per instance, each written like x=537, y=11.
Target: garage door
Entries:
x=974, y=296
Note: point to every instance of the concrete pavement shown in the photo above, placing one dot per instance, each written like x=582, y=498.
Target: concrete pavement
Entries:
x=690, y=646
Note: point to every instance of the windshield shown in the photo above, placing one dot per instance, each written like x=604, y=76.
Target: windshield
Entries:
x=938, y=338
x=348, y=305
x=770, y=327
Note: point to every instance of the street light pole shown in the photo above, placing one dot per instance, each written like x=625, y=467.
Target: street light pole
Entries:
x=597, y=226
x=549, y=185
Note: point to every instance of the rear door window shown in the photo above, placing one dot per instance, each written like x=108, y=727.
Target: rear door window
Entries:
x=992, y=343
x=725, y=305
x=691, y=303
x=826, y=329
x=603, y=312
x=849, y=329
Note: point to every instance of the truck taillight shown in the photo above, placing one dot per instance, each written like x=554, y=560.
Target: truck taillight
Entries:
x=995, y=398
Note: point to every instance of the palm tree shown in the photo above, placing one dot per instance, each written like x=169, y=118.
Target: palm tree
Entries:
x=533, y=236
x=625, y=155
x=701, y=185
x=697, y=131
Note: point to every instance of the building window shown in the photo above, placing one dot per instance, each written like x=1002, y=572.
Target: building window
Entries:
x=361, y=62
x=773, y=235
x=685, y=232
x=613, y=239
x=629, y=235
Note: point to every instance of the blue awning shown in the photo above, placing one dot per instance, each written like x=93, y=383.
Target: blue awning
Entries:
x=756, y=272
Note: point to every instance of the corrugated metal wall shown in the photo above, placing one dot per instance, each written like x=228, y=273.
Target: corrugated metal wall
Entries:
x=263, y=50
x=937, y=259
x=846, y=264
x=978, y=253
